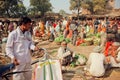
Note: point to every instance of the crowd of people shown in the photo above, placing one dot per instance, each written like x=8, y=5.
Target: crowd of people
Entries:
x=20, y=35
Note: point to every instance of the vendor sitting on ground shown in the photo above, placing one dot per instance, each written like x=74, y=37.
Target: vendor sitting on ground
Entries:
x=95, y=64
x=65, y=54
x=114, y=55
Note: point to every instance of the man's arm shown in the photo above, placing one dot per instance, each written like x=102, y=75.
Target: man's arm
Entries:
x=9, y=46
x=60, y=53
x=9, y=49
x=29, y=37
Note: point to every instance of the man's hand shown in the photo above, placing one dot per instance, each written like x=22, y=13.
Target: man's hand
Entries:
x=36, y=48
x=15, y=61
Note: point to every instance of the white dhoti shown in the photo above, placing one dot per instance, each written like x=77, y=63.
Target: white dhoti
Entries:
x=25, y=75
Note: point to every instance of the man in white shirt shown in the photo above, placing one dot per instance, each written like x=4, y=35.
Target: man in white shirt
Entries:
x=96, y=62
x=18, y=48
x=65, y=54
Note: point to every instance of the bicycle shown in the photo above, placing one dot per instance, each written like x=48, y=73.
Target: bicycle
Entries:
x=5, y=70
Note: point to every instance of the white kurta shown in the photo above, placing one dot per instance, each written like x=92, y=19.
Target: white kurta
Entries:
x=96, y=62
x=112, y=60
x=18, y=46
x=63, y=53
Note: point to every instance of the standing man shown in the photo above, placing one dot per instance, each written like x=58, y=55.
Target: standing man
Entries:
x=18, y=48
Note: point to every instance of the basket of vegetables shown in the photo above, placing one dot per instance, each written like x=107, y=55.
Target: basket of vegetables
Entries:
x=89, y=41
x=61, y=38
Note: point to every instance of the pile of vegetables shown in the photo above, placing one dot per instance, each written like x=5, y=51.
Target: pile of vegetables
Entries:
x=91, y=35
x=96, y=41
x=79, y=59
x=89, y=41
x=97, y=35
x=92, y=39
x=83, y=44
x=61, y=38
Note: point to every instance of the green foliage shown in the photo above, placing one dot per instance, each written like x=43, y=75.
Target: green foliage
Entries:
x=99, y=5
x=62, y=12
x=41, y=6
x=13, y=8
x=73, y=4
x=94, y=6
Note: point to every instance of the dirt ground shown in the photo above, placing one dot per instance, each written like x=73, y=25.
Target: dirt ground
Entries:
x=78, y=73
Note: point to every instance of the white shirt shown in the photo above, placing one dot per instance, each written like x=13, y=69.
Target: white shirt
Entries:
x=63, y=53
x=18, y=46
x=96, y=62
x=118, y=55
x=64, y=23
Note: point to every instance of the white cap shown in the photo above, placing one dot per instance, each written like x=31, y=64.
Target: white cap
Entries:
x=97, y=49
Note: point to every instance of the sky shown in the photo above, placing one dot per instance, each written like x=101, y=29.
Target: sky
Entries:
x=64, y=5
x=57, y=5
x=117, y=4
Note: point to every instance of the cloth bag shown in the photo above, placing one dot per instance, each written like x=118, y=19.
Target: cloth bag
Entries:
x=48, y=70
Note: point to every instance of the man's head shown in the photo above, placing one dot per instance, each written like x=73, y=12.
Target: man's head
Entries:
x=64, y=44
x=25, y=23
x=97, y=49
x=115, y=45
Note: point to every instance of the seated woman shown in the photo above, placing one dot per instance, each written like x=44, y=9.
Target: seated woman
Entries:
x=65, y=54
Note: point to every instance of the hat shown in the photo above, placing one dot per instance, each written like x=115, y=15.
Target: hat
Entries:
x=97, y=49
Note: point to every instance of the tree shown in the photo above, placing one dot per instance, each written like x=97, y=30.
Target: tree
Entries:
x=94, y=6
x=75, y=5
x=99, y=6
x=62, y=12
x=12, y=8
x=87, y=4
x=41, y=6
x=32, y=11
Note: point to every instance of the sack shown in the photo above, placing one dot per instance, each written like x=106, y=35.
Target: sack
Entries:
x=48, y=70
